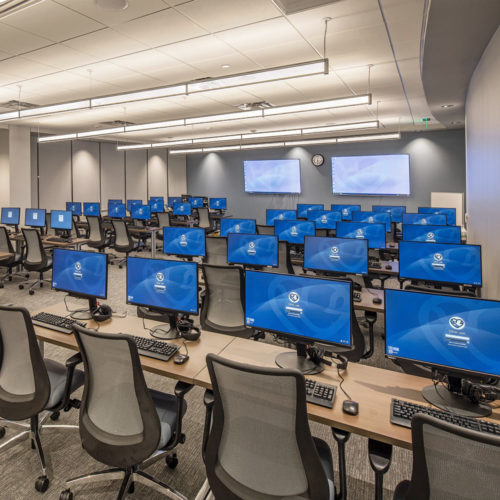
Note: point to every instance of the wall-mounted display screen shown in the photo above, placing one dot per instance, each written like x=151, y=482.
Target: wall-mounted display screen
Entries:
x=272, y=176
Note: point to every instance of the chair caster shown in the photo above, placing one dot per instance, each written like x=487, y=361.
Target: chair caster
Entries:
x=120, y=266
x=172, y=461
x=42, y=484
x=131, y=488
x=41, y=285
x=10, y=278
x=2, y=432
x=21, y=287
x=55, y=416
x=66, y=495
x=26, y=275
x=1, y=285
x=32, y=292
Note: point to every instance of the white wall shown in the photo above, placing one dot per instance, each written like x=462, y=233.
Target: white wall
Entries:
x=482, y=112
x=136, y=175
x=86, y=182
x=20, y=167
x=4, y=168
x=158, y=181
x=177, y=175
x=112, y=172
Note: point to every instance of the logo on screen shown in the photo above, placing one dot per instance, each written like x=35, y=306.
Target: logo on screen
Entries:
x=370, y=219
x=430, y=236
x=293, y=231
x=183, y=242
x=159, y=285
x=217, y=203
x=140, y=211
x=438, y=261
x=181, y=208
x=424, y=221
x=77, y=273
x=35, y=216
x=281, y=216
x=323, y=219
x=345, y=211
x=293, y=297
x=251, y=248
x=359, y=233
x=237, y=228
x=457, y=323
x=334, y=253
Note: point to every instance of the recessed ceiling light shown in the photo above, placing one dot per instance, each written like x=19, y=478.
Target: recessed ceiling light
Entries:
x=447, y=105
x=225, y=66
x=112, y=4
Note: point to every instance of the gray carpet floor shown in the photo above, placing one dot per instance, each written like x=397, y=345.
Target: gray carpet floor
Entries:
x=19, y=465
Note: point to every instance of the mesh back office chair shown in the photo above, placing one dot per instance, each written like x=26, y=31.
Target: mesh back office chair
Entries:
x=36, y=259
x=204, y=221
x=265, y=229
x=216, y=251
x=31, y=385
x=123, y=424
x=123, y=241
x=97, y=236
x=9, y=262
x=163, y=221
x=321, y=232
x=260, y=445
x=222, y=305
x=451, y=462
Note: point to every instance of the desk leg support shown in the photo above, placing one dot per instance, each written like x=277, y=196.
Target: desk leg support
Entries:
x=380, y=455
x=153, y=244
x=371, y=318
x=341, y=437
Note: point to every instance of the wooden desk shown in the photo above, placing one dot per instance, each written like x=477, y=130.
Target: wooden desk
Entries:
x=394, y=271
x=367, y=296
x=5, y=255
x=75, y=242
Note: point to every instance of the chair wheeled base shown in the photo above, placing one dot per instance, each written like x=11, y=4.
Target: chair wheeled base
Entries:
x=32, y=283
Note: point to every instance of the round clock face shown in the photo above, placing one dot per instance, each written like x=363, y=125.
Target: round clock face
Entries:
x=318, y=160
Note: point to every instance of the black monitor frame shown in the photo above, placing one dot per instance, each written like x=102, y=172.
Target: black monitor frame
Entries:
x=440, y=208
x=185, y=255
x=237, y=218
x=358, y=222
x=41, y=226
x=253, y=266
x=16, y=225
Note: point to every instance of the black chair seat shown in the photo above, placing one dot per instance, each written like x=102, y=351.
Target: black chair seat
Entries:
x=401, y=490
x=36, y=267
x=57, y=376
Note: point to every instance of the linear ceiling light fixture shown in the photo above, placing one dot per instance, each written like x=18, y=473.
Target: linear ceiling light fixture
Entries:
x=53, y=138
x=55, y=108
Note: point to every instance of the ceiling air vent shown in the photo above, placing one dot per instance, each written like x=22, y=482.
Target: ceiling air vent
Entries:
x=8, y=7
x=248, y=106
x=293, y=6
x=13, y=104
x=116, y=123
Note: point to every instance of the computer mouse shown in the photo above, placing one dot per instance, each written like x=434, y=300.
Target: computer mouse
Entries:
x=377, y=300
x=350, y=407
x=391, y=245
x=180, y=359
x=388, y=267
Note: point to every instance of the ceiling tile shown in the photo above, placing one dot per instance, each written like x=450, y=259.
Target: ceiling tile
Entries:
x=15, y=41
x=61, y=57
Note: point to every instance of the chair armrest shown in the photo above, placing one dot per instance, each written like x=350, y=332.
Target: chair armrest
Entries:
x=76, y=359
x=70, y=364
x=208, y=401
x=181, y=389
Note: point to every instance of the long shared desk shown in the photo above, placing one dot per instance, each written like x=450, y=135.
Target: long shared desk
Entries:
x=372, y=387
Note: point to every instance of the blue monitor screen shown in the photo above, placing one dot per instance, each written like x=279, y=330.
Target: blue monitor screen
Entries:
x=74, y=207
x=182, y=209
x=117, y=210
x=196, y=201
x=272, y=176
x=174, y=199
x=252, y=249
x=340, y=255
x=156, y=206
x=294, y=231
x=309, y=308
x=346, y=210
x=157, y=198
x=303, y=209
x=132, y=203
x=61, y=219
x=184, y=241
x=228, y=225
x=142, y=212
x=396, y=211
x=273, y=214
x=439, y=330
x=442, y=262
x=324, y=219
x=432, y=234
x=451, y=213
x=434, y=219
x=218, y=203
x=113, y=201
x=381, y=217
x=163, y=284
x=34, y=217
x=374, y=233
x=80, y=273
x=91, y=208
x=10, y=215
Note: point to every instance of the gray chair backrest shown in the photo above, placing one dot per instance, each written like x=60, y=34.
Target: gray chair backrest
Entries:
x=163, y=219
x=204, y=218
x=5, y=244
x=450, y=462
x=119, y=425
x=24, y=382
x=123, y=241
x=321, y=232
x=260, y=444
x=216, y=250
x=35, y=253
x=96, y=234
x=265, y=229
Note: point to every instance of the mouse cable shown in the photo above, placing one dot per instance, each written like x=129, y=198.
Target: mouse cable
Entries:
x=341, y=382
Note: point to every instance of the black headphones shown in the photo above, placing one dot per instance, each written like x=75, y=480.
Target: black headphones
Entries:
x=316, y=355
x=187, y=330
x=478, y=393
x=101, y=312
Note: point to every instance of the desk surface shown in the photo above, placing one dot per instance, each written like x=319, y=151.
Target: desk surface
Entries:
x=5, y=255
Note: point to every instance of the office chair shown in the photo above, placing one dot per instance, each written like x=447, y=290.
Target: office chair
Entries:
x=48, y=228
x=222, y=305
x=123, y=424
x=321, y=232
x=264, y=229
x=284, y=263
x=32, y=387
x=10, y=262
x=204, y=221
x=97, y=236
x=451, y=462
x=75, y=232
x=216, y=251
x=258, y=444
x=36, y=259
x=163, y=221
x=123, y=242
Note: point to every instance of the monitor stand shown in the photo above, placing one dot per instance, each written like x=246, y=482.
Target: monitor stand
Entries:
x=450, y=398
x=298, y=361
x=162, y=331
x=85, y=314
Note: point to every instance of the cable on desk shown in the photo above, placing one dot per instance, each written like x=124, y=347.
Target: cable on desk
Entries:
x=341, y=382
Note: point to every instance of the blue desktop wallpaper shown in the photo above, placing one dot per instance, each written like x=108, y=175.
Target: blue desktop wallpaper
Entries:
x=91, y=208
x=74, y=207
x=373, y=232
x=276, y=214
x=237, y=226
x=441, y=262
x=163, y=284
x=132, y=203
x=341, y=255
x=252, y=249
x=61, y=219
x=345, y=210
x=182, y=209
x=35, y=217
x=433, y=219
x=156, y=206
x=294, y=231
x=272, y=176
x=305, y=307
x=196, y=202
x=184, y=241
x=10, y=215
x=218, y=203
x=117, y=210
x=432, y=234
x=455, y=332
x=304, y=208
x=382, y=217
x=142, y=212
x=324, y=219
x=395, y=211
x=174, y=199
x=451, y=213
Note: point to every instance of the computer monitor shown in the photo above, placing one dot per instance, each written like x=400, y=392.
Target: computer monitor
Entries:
x=173, y=199
x=93, y=208
x=157, y=206
x=303, y=209
x=345, y=210
x=433, y=219
x=451, y=213
x=132, y=203
x=302, y=309
x=61, y=219
x=371, y=217
x=375, y=233
x=184, y=241
x=183, y=208
x=141, y=212
x=274, y=214
x=252, y=249
x=396, y=211
x=229, y=225
x=218, y=204
x=75, y=207
x=81, y=274
x=457, y=337
x=294, y=231
x=324, y=219
x=10, y=216
x=157, y=198
x=34, y=217
x=440, y=262
x=336, y=255
x=432, y=234
x=113, y=202
x=196, y=201
x=117, y=210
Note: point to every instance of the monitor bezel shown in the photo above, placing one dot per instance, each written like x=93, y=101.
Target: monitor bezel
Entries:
x=160, y=211
x=98, y=203
x=184, y=213
x=258, y=236
x=159, y=308
x=201, y=230
x=371, y=223
x=279, y=210
x=197, y=198
x=440, y=208
x=43, y=219
x=273, y=192
x=374, y=222
x=299, y=338
x=237, y=218
x=11, y=223
x=61, y=228
x=117, y=216
x=431, y=225
x=298, y=221
x=217, y=198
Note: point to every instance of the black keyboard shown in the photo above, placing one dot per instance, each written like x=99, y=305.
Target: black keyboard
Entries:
x=375, y=265
x=55, y=322
x=58, y=239
x=158, y=349
x=403, y=411
x=320, y=394
x=356, y=296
